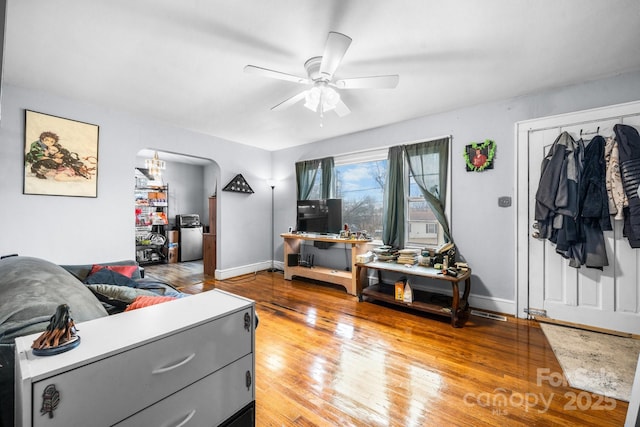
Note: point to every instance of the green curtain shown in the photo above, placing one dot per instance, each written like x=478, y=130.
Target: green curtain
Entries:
x=418, y=159
x=394, y=212
x=305, y=177
x=328, y=182
x=306, y=173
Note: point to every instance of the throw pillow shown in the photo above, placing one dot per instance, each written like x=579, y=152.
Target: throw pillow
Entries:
x=109, y=277
x=118, y=296
x=125, y=270
x=145, y=301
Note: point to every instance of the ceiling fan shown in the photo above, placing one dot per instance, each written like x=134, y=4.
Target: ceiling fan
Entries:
x=322, y=96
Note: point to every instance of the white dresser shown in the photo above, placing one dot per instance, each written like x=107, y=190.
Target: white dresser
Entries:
x=187, y=362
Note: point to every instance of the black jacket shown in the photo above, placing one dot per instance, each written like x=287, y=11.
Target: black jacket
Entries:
x=593, y=204
x=629, y=149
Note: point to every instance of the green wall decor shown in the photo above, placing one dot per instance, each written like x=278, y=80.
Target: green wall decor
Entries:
x=479, y=157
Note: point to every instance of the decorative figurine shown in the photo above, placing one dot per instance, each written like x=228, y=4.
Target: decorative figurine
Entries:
x=59, y=336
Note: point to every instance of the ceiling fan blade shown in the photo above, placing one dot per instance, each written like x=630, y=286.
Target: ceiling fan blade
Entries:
x=372, y=82
x=334, y=50
x=290, y=101
x=342, y=109
x=264, y=72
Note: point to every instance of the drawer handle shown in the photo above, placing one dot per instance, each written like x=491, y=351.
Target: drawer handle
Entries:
x=247, y=322
x=187, y=418
x=177, y=365
x=247, y=380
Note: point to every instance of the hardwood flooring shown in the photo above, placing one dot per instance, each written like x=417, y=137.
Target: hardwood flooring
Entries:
x=325, y=359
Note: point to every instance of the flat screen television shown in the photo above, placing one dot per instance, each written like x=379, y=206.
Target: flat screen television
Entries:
x=322, y=216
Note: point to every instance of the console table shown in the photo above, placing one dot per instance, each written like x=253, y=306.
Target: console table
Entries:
x=457, y=308
x=325, y=274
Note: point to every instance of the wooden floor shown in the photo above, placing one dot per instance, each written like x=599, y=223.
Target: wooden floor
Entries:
x=325, y=359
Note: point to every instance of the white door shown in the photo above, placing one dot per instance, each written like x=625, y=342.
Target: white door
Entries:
x=607, y=298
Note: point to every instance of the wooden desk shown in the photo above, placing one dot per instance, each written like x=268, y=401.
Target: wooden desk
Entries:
x=458, y=309
x=317, y=272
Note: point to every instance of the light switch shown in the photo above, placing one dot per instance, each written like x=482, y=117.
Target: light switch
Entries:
x=504, y=201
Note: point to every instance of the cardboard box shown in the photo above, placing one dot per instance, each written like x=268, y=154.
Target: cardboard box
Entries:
x=173, y=236
x=172, y=255
x=399, y=285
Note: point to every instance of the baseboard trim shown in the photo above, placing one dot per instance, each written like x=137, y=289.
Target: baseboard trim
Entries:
x=242, y=270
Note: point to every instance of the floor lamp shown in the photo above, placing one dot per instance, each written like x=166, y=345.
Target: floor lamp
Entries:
x=273, y=186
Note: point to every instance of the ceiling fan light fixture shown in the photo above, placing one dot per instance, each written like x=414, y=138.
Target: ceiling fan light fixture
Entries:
x=321, y=97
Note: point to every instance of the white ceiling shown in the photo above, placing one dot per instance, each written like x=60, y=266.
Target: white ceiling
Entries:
x=181, y=62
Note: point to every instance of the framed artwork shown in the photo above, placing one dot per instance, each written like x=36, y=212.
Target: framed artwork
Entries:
x=60, y=156
x=479, y=156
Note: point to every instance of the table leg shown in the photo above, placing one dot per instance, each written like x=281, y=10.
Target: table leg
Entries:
x=455, y=304
x=361, y=277
x=465, y=310
x=460, y=306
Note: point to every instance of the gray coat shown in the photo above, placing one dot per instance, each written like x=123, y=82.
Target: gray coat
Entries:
x=556, y=208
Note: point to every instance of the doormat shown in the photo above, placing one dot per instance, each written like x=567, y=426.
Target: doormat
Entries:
x=593, y=361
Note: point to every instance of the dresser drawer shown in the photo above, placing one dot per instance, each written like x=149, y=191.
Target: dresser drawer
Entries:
x=111, y=389
x=207, y=402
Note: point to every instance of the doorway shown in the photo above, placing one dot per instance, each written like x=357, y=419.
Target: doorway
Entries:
x=189, y=182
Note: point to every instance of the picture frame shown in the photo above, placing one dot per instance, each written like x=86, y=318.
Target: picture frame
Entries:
x=60, y=156
x=479, y=156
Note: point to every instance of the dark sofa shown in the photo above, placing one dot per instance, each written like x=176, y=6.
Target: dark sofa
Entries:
x=31, y=289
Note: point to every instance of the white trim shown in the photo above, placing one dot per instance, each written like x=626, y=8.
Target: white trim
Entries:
x=498, y=305
x=362, y=156
x=241, y=270
x=374, y=150
x=586, y=116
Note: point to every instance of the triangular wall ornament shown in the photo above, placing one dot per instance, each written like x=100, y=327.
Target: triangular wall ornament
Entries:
x=238, y=185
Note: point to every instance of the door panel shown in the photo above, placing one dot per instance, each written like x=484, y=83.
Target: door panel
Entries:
x=607, y=298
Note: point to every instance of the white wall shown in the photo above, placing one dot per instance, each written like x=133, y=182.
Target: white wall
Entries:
x=77, y=230
x=83, y=230
x=484, y=233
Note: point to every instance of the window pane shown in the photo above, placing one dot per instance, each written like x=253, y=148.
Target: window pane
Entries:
x=432, y=181
x=361, y=187
x=423, y=229
x=317, y=184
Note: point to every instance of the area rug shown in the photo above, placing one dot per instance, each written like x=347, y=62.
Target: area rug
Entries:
x=595, y=362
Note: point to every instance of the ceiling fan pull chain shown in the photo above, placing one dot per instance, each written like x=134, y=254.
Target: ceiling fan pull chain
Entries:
x=321, y=108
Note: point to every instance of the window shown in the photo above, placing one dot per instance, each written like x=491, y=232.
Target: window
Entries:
x=429, y=161
x=360, y=182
